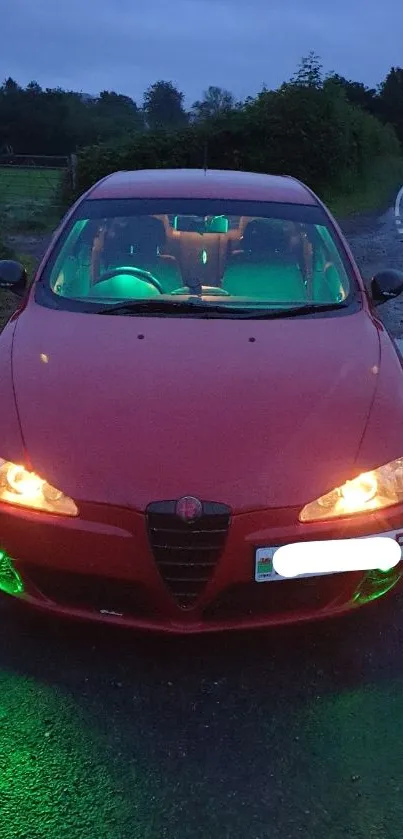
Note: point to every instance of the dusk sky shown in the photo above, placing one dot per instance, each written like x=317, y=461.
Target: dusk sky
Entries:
x=125, y=45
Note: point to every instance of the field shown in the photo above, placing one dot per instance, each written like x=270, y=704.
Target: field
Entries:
x=30, y=198
x=31, y=204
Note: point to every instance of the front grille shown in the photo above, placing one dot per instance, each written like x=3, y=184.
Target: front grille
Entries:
x=88, y=592
x=186, y=554
x=254, y=600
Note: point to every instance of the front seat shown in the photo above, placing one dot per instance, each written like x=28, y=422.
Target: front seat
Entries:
x=137, y=241
x=267, y=268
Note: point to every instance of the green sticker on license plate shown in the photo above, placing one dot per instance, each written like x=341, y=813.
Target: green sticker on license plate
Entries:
x=264, y=570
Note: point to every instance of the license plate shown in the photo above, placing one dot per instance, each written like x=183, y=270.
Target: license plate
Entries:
x=265, y=573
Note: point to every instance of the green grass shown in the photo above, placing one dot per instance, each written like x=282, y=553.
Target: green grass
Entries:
x=29, y=262
x=30, y=199
x=373, y=192
x=5, y=251
x=28, y=182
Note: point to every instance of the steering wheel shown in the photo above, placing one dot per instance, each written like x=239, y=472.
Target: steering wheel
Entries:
x=139, y=273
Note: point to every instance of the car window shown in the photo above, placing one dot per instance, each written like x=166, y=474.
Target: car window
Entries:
x=245, y=259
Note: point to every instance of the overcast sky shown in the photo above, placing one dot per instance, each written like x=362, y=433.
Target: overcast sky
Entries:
x=125, y=45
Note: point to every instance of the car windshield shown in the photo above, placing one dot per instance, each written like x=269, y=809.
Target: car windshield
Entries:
x=235, y=255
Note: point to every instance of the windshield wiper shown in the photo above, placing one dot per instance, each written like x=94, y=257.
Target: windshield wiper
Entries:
x=154, y=306
x=294, y=311
x=195, y=306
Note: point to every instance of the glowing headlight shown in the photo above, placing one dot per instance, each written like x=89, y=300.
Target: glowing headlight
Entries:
x=370, y=491
x=25, y=489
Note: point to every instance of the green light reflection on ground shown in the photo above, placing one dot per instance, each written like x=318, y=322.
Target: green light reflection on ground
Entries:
x=57, y=776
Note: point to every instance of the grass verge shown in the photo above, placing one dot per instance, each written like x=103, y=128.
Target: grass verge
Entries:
x=372, y=193
x=30, y=199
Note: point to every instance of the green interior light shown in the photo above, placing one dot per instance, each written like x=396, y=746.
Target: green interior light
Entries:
x=10, y=580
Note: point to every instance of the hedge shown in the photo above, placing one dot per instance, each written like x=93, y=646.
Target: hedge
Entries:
x=313, y=134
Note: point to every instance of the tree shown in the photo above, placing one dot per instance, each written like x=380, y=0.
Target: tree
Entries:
x=111, y=102
x=356, y=92
x=309, y=73
x=56, y=121
x=216, y=101
x=117, y=113
x=163, y=106
x=10, y=87
x=34, y=88
x=391, y=100
x=11, y=123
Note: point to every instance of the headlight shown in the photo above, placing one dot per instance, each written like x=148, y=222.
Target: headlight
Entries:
x=18, y=486
x=370, y=491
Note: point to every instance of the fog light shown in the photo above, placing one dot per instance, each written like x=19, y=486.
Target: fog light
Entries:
x=10, y=580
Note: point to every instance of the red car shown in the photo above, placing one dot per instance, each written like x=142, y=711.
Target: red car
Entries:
x=197, y=378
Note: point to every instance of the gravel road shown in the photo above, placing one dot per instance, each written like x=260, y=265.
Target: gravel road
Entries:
x=290, y=734
x=375, y=244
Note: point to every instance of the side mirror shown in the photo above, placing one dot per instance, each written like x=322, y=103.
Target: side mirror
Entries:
x=13, y=277
x=386, y=285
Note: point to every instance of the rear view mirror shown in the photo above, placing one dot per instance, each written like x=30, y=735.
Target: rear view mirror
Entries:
x=199, y=224
x=189, y=224
x=13, y=276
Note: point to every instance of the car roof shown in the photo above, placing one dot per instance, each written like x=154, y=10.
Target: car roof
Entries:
x=200, y=183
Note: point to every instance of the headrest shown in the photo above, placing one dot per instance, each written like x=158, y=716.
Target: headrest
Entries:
x=265, y=237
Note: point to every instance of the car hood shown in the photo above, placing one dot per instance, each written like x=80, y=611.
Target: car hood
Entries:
x=256, y=414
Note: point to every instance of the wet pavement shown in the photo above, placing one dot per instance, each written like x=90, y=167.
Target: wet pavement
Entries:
x=376, y=244
x=284, y=734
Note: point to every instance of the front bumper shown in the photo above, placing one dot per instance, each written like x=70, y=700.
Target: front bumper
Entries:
x=100, y=567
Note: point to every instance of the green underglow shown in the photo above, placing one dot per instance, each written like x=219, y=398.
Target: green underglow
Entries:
x=10, y=580
x=376, y=584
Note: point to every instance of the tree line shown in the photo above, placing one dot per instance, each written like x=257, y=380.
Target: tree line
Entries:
x=51, y=121
x=312, y=127
x=57, y=122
